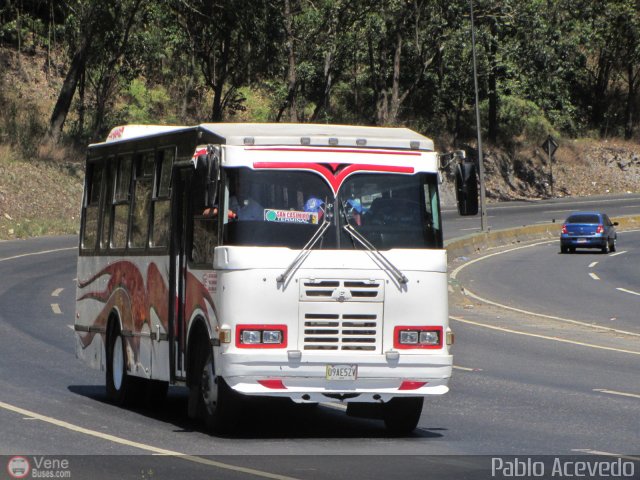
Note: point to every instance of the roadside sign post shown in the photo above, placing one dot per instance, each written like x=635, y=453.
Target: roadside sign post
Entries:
x=550, y=145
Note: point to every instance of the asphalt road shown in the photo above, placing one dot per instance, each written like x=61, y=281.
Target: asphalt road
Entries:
x=516, y=214
x=586, y=286
x=515, y=392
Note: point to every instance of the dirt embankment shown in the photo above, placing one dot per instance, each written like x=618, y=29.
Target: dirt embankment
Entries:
x=580, y=168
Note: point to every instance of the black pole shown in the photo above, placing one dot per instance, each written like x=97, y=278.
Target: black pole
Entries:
x=550, y=165
x=483, y=209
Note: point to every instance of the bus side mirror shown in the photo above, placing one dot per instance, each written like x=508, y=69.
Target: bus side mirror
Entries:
x=212, y=163
x=467, y=188
x=208, y=171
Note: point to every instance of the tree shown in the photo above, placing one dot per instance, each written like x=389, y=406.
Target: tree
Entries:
x=404, y=39
x=103, y=29
x=83, y=16
x=216, y=33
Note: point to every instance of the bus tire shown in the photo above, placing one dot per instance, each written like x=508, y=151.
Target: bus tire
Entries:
x=119, y=382
x=216, y=402
x=401, y=415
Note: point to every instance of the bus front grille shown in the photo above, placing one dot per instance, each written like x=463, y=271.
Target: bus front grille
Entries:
x=349, y=331
x=341, y=315
x=341, y=290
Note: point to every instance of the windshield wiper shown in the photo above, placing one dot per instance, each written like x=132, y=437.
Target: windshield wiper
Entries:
x=399, y=276
x=282, y=278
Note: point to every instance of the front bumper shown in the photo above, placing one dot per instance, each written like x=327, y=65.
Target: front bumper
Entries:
x=304, y=380
x=583, y=242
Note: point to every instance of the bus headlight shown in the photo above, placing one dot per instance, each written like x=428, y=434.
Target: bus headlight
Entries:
x=417, y=337
x=250, y=337
x=272, y=336
x=409, y=337
x=430, y=337
x=261, y=336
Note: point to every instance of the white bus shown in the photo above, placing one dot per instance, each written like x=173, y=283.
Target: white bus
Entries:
x=281, y=260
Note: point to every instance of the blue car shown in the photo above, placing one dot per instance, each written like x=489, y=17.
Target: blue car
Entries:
x=588, y=230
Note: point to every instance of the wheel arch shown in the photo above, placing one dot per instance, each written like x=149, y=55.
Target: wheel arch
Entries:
x=198, y=330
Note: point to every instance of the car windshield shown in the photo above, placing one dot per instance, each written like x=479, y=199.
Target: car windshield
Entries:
x=583, y=218
x=285, y=208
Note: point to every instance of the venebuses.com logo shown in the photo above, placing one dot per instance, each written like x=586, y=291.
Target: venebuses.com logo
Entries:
x=38, y=467
x=18, y=467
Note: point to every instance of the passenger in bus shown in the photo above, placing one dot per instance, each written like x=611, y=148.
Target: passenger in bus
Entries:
x=243, y=200
x=315, y=205
x=245, y=208
x=242, y=205
x=354, y=210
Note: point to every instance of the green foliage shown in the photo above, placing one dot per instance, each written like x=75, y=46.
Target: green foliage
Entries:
x=566, y=66
x=259, y=106
x=522, y=121
x=146, y=105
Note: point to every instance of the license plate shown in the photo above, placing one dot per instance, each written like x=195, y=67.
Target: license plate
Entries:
x=582, y=240
x=342, y=372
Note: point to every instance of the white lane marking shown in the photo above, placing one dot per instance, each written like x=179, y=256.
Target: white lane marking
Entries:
x=469, y=293
x=141, y=446
x=544, y=337
x=469, y=229
x=628, y=291
x=617, y=253
x=615, y=392
x=593, y=264
x=455, y=272
x=56, y=308
x=71, y=327
x=335, y=406
x=43, y=252
x=467, y=369
x=57, y=292
x=594, y=276
x=559, y=211
x=604, y=454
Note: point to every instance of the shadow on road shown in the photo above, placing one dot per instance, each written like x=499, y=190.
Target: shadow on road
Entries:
x=263, y=418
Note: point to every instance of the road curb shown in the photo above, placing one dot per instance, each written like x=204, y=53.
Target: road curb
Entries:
x=478, y=242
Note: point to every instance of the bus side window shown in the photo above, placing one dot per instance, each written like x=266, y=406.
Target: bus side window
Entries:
x=204, y=236
x=145, y=164
x=121, y=202
x=161, y=198
x=92, y=205
x=107, y=206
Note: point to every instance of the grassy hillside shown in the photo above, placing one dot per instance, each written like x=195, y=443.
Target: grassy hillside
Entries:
x=40, y=184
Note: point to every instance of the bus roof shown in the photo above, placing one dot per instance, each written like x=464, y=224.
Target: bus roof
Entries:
x=288, y=134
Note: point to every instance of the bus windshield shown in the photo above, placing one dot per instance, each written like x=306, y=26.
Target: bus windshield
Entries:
x=285, y=208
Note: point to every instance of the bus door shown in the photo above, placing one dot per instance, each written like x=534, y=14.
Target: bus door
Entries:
x=182, y=180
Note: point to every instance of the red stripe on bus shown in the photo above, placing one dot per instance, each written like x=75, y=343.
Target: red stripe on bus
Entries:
x=335, y=180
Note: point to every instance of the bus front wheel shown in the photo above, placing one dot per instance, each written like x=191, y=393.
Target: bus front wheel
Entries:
x=216, y=401
x=401, y=415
